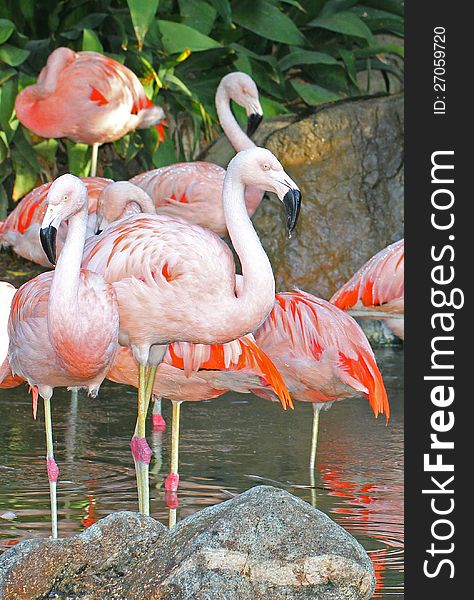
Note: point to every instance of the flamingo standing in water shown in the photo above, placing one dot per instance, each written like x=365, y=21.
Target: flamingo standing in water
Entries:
x=20, y=230
x=194, y=372
x=7, y=379
x=322, y=354
x=193, y=190
x=176, y=281
x=88, y=98
x=63, y=324
x=377, y=289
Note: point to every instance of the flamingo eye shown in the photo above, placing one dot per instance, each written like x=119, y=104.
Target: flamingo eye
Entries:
x=65, y=197
x=266, y=167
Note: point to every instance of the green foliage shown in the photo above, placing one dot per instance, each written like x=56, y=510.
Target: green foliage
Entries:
x=300, y=53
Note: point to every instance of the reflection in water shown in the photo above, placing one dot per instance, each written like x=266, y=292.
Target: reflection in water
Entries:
x=228, y=445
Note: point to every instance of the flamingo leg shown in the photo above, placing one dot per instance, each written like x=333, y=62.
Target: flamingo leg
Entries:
x=314, y=439
x=140, y=449
x=157, y=435
x=51, y=467
x=95, y=155
x=172, y=481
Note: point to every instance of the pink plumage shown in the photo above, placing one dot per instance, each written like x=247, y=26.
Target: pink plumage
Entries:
x=7, y=379
x=193, y=191
x=20, y=230
x=378, y=286
x=321, y=352
x=86, y=97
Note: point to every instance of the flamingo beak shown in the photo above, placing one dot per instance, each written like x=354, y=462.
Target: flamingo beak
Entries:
x=48, y=242
x=253, y=122
x=292, y=202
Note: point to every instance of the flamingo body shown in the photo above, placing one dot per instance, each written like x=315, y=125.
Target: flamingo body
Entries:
x=80, y=356
x=20, y=230
x=86, y=97
x=7, y=379
x=192, y=191
x=321, y=352
x=378, y=286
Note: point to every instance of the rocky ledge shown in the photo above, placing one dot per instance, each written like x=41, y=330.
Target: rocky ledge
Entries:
x=263, y=544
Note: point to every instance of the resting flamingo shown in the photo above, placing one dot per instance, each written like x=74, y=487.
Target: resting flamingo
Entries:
x=7, y=379
x=193, y=191
x=194, y=372
x=377, y=289
x=176, y=281
x=63, y=324
x=322, y=354
x=20, y=230
x=88, y=98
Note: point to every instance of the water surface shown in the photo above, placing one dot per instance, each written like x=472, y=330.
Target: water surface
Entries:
x=228, y=445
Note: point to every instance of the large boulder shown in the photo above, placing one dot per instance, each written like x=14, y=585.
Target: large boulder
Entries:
x=263, y=544
x=348, y=160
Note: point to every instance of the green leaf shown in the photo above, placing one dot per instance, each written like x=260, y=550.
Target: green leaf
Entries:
x=13, y=56
x=224, y=10
x=90, y=41
x=177, y=37
x=298, y=56
x=8, y=93
x=26, y=175
x=47, y=149
x=142, y=13
x=3, y=150
x=349, y=62
x=314, y=94
x=6, y=74
x=267, y=20
x=197, y=14
x=79, y=163
x=272, y=108
x=346, y=23
x=6, y=29
x=3, y=203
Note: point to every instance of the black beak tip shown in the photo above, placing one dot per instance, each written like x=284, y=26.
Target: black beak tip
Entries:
x=292, y=202
x=98, y=231
x=253, y=122
x=48, y=242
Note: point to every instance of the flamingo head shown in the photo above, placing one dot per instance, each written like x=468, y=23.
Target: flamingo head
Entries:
x=259, y=168
x=241, y=88
x=67, y=196
x=121, y=199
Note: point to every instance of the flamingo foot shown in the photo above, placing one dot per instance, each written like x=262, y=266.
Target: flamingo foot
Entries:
x=158, y=423
x=172, y=482
x=141, y=451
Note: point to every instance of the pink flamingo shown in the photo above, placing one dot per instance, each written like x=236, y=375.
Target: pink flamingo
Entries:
x=63, y=324
x=88, y=98
x=176, y=281
x=20, y=230
x=193, y=190
x=194, y=372
x=377, y=289
x=7, y=379
x=322, y=354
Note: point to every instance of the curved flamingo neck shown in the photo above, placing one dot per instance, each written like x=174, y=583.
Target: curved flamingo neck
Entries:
x=48, y=78
x=256, y=289
x=238, y=138
x=63, y=296
x=123, y=199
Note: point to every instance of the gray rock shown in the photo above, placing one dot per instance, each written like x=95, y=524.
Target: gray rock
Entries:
x=348, y=160
x=264, y=544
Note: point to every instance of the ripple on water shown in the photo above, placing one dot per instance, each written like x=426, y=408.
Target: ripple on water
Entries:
x=228, y=445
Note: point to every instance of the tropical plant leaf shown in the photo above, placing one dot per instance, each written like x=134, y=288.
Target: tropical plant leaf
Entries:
x=142, y=13
x=198, y=14
x=78, y=162
x=314, y=94
x=90, y=41
x=6, y=29
x=224, y=10
x=267, y=20
x=177, y=37
x=346, y=23
x=13, y=56
x=299, y=56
